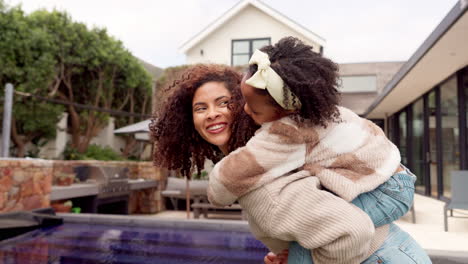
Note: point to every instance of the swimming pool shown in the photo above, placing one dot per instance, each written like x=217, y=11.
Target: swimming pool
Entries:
x=134, y=242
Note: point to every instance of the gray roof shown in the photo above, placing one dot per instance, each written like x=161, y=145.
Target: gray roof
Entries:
x=139, y=127
x=452, y=17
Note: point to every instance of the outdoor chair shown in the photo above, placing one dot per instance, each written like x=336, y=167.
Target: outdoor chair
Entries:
x=202, y=206
x=459, y=194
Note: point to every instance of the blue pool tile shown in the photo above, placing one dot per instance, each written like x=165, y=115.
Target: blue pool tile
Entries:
x=80, y=243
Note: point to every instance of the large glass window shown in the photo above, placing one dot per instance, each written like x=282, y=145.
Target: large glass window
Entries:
x=417, y=143
x=431, y=101
x=465, y=88
x=450, y=131
x=391, y=128
x=402, y=132
x=243, y=49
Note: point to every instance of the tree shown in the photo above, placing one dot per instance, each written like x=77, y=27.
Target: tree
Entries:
x=94, y=69
x=27, y=63
x=48, y=54
x=137, y=99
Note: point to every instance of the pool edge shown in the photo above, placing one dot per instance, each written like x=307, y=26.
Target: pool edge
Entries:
x=220, y=225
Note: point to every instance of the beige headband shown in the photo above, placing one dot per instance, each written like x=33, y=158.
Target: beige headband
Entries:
x=266, y=78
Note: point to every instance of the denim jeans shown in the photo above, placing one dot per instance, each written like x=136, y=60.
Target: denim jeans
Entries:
x=390, y=201
x=387, y=203
x=398, y=248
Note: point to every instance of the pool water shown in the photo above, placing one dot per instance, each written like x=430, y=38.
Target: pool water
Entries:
x=85, y=243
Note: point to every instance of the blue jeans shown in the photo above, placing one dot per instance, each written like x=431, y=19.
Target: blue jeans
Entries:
x=387, y=203
x=398, y=248
x=390, y=201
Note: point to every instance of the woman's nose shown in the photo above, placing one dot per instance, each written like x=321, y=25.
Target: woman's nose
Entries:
x=213, y=113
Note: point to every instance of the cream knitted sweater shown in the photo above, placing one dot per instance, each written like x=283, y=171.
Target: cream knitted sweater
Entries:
x=348, y=158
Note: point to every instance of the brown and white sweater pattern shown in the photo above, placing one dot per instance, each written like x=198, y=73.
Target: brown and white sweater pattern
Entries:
x=277, y=178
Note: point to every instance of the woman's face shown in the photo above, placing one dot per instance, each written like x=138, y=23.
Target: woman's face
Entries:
x=211, y=116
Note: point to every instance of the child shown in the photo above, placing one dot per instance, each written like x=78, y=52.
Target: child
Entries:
x=306, y=139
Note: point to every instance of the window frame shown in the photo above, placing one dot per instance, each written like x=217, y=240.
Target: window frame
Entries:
x=250, y=40
x=344, y=91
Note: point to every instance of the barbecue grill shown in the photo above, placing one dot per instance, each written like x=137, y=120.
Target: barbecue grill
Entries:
x=113, y=188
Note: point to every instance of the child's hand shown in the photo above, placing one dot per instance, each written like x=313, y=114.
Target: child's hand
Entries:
x=272, y=258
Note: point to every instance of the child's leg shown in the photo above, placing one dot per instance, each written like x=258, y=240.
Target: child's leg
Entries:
x=389, y=201
x=298, y=254
x=399, y=247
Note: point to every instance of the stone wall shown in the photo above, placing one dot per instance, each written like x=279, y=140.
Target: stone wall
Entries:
x=25, y=184
x=64, y=168
x=149, y=201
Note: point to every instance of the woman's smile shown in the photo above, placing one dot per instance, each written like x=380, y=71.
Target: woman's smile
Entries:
x=216, y=128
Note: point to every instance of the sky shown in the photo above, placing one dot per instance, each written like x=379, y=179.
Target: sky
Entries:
x=354, y=30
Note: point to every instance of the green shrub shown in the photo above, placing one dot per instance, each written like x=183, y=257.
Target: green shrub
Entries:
x=202, y=176
x=94, y=152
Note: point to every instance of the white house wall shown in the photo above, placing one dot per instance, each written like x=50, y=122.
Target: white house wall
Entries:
x=250, y=23
x=107, y=138
x=54, y=147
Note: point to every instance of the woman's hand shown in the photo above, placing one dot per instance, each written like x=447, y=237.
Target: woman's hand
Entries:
x=272, y=258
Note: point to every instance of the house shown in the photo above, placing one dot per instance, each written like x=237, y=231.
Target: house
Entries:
x=424, y=106
x=249, y=25
x=361, y=83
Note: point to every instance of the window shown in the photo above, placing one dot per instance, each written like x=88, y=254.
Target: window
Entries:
x=450, y=131
x=432, y=124
x=361, y=83
x=464, y=83
x=392, y=127
x=243, y=49
x=419, y=164
x=402, y=139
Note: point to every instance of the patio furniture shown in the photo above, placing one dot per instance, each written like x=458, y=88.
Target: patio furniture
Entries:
x=202, y=206
x=413, y=214
x=459, y=182
x=175, y=189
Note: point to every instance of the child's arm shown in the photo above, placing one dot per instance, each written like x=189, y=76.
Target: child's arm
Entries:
x=276, y=149
x=390, y=201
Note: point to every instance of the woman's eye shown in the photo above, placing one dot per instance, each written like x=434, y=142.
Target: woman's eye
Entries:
x=199, y=109
x=223, y=103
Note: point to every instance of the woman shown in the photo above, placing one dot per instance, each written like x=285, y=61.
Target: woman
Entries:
x=197, y=122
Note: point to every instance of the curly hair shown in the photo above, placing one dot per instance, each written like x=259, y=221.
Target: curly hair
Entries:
x=311, y=77
x=177, y=145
